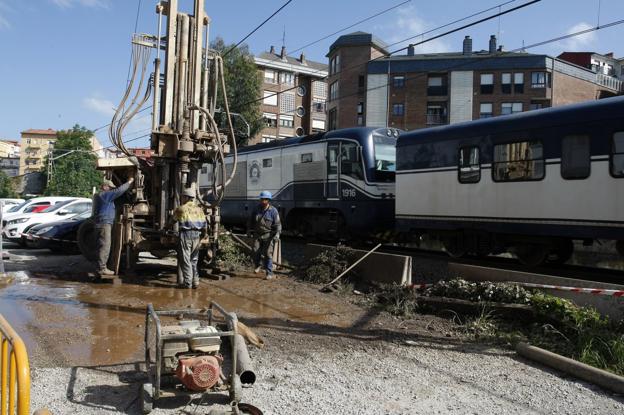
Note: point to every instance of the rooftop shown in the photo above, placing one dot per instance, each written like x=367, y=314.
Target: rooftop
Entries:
x=49, y=131
x=305, y=64
x=359, y=39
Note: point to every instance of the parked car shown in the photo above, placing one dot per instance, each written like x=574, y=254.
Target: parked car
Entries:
x=9, y=203
x=32, y=205
x=59, y=237
x=17, y=226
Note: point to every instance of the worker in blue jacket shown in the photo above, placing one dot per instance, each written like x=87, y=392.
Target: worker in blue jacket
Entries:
x=104, y=210
x=266, y=226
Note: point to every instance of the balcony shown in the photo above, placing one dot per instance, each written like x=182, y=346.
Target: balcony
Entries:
x=437, y=119
x=436, y=91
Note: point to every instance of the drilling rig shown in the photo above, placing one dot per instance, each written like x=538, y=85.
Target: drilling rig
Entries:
x=183, y=86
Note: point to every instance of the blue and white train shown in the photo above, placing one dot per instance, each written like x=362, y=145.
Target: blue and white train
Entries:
x=528, y=183
x=335, y=183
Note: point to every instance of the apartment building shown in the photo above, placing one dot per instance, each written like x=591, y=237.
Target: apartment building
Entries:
x=606, y=65
x=421, y=90
x=294, y=93
x=35, y=145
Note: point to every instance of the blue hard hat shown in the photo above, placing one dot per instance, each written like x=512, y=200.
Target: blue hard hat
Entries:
x=265, y=194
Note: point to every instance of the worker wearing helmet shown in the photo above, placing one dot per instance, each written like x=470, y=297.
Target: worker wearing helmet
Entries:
x=191, y=224
x=266, y=226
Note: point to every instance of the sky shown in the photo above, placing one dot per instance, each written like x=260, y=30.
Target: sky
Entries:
x=65, y=62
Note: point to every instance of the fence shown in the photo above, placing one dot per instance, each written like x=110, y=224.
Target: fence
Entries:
x=14, y=372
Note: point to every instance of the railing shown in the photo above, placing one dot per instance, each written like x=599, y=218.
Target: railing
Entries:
x=436, y=119
x=14, y=372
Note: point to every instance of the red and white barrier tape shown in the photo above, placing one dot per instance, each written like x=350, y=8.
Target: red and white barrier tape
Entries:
x=594, y=291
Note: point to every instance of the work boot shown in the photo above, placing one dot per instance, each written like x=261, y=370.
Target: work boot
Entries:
x=106, y=271
x=257, y=270
x=269, y=275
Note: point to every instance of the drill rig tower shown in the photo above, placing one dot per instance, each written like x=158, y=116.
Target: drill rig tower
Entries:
x=183, y=89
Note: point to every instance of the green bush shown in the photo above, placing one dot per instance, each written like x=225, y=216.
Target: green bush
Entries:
x=231, y=256
x=480, y=291
x=327, y=265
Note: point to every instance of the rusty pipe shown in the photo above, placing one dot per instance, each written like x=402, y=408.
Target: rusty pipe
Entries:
x=244, y=367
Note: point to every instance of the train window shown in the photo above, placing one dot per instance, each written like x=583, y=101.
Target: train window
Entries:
x=267, y=162
x=332, y=158
x=617, y=155
x=306, y=158
x=575, y=157
x=469, y=167
x=350, y=164
x=519, y=161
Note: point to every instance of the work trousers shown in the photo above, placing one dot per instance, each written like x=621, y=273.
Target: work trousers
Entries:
x=188, y=255
x=263, y=248
x=103, y=245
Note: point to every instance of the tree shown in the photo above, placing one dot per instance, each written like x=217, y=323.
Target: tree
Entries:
x=74, y=166
x=243, y=85
x=6, y=186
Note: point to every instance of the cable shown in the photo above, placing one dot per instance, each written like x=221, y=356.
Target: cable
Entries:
x=257, y=27
x=136, y=25
x=419, y=43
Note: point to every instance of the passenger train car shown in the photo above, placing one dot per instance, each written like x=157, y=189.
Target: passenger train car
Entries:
x=335, y=183
x=528, y=183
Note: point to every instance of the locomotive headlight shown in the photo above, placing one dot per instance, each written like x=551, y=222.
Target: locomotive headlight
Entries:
x=396, y=133
x=389, y=133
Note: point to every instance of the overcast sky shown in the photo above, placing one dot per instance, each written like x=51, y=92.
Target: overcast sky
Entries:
x=64, y=62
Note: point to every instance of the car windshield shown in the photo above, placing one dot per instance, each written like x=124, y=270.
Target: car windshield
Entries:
x=385, y=153
x=17, y=207
x=56, y=207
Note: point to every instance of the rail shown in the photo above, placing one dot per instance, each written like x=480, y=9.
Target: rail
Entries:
x=14, y=372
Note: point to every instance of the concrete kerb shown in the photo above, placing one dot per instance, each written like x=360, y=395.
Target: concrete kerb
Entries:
x=377, y=267
x=607, y=305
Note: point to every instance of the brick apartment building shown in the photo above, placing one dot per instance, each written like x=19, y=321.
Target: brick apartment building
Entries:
x=420, y=90
x=299, y=109
x=604, y=65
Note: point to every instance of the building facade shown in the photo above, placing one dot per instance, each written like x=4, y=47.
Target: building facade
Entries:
x=35, y=145
x=606, y=66
x=422, y=90
x=293, y=95
x=9, y=148
x=9, y=165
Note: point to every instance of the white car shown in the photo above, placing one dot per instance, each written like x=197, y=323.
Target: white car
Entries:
x=32, y=205
x=17, y=226
x=9, y=203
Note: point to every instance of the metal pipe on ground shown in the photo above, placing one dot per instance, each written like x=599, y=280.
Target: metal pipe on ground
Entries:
x=244, y=367
x=580, y=370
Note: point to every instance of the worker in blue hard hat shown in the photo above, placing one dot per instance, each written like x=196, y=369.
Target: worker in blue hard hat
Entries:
x=265, y=225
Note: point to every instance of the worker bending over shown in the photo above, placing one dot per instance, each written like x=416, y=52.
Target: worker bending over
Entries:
x=266, y=226
x=191, y=225
x=104, y=209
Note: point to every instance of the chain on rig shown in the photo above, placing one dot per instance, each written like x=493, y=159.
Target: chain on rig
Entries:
x=184, y=87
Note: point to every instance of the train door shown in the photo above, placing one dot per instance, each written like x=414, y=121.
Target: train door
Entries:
x=333, y=173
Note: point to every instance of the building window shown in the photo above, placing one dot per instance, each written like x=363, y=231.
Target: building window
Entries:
x=436, y=86
x=301, y=90
x=398, y=109
x=333, y=91
x=270, y=119
x=536, y=106
x=575, y=157
x=469, y=167
x=287, y=103
x=485, y=110
x=360, y=120
x=334, y=65
x=519, y=161
x=268, y=138
x=506, y=83
x=617, y=155
x=332, y=119
x=318, y=105
x=436, y=113
x=361, y=81
x=286, y=121
x=266, y=163
x=398, y=81
x=270, y=98
x=306, y=158
x=318, y=125
x=287, y=78
x=319, y=89
x=360, y=108
x=511, y=108
x=300, y=111
x=270, y=77
x=540, y=79
x=487, y=83
x=518, y=82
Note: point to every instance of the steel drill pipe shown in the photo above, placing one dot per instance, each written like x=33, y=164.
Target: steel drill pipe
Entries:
x=244, y=367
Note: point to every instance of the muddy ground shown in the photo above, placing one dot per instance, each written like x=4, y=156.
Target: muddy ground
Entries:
x=324, y=354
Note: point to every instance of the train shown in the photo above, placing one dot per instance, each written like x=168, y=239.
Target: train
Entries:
x=330, y=184
x=530, y=183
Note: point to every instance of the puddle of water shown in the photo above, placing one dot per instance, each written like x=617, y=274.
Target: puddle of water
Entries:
x=78, y=323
